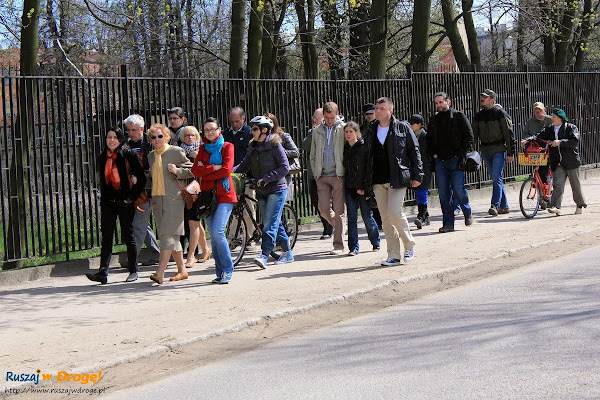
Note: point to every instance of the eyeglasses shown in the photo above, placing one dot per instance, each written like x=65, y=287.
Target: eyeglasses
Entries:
x=156, y=137
x=255, y=128
x=211, y=130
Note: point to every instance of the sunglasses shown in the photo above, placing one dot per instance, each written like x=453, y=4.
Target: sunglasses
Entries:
x=156, y=137
x=255, y=128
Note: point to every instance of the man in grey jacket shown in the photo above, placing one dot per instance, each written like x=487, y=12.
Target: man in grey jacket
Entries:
x=492, y=128
x=326, y=161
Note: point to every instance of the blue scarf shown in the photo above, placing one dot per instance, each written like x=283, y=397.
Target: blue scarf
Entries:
x=214, y=149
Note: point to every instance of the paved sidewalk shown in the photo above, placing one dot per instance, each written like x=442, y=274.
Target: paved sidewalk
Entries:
x=69, y=323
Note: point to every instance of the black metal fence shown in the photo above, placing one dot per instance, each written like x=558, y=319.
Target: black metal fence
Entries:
x=52, y=130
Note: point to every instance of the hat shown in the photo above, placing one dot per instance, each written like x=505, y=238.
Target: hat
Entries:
x=368, y=108
x=489, y=93
x=559, y=112
x=416, y=119
x=540, y=105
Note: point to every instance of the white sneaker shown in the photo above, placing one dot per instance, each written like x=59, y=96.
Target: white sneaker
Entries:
x=552, y=210
x=336, y=252
x=391, y=262
x=578, y=210
x=557, y=211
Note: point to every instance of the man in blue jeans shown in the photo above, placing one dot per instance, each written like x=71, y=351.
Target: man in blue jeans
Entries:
x=449, y=138
x=492, y=128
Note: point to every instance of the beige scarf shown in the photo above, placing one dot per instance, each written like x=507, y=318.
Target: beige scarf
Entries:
x=158, y=178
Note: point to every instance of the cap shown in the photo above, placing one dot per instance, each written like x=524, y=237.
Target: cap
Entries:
x=539, y=104
x=416, y=119
x=489, y=93
x=368, y=108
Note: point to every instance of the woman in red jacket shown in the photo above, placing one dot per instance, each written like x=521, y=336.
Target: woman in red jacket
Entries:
x=213, y=164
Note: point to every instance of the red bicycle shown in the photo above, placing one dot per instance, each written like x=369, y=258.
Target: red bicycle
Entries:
x=534, y=193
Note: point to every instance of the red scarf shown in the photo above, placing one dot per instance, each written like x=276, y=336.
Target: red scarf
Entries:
x=111, y=174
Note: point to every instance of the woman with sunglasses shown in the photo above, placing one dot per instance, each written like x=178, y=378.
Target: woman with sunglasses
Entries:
x=117, y=194
x=269, y=164
x=214, y=164
x=167, y=164
x=190, y=142
x=177, y=120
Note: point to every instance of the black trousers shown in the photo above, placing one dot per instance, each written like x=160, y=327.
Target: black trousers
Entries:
x=108, y=220
x=314, y=200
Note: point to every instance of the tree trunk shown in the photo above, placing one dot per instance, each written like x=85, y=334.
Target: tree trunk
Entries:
x=24, y=127
x=458, y=48
x=548, y=37
x=236, y=47
x=563, y=38
x=520, y=36
x=420, y=35
x=154, y=62
x=267, y=68
x=467, y=6
x=332, y=37
x=581, y=43
x=378, y=49
x=255, y=39
x=359, y=38
x=306, y=27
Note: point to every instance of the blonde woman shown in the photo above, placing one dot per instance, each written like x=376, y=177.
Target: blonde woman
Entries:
x=167, y=163
x=190, y=142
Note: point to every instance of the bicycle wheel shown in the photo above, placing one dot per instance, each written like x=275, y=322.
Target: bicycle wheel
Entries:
x=236, y=237
x=529, y=198
x=289, y=220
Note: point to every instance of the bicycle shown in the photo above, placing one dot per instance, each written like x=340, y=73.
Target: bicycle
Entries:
x=236, y=230
x=534, y=193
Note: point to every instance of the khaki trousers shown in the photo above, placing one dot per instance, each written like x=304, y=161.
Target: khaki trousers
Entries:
x=395, y=223
x=332, y=188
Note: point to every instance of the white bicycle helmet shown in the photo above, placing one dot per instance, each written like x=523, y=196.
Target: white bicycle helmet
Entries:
x=262, y=122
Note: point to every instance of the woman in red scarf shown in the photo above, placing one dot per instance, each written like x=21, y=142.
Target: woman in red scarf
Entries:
x=118, y=191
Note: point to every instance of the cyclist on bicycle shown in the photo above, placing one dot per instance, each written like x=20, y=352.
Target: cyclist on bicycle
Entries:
x=268, y=163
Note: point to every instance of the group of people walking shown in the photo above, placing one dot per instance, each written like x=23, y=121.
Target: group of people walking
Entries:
x=351, y=167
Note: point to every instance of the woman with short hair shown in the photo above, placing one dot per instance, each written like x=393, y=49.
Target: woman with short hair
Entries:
x=167, y=164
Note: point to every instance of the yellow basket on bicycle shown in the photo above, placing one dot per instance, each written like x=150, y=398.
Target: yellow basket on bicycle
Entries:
x=533, y=159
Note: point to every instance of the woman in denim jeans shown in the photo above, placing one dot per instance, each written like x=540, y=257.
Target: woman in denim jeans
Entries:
x=268, y=163
x=356, y=190
x=214, y=164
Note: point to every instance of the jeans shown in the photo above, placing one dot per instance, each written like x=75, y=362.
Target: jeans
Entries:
x=270, y=207
x=558, y=186
x=495, y=166
x=450, y=177
x=354, y=201
x=108, y=224
x=216, y=223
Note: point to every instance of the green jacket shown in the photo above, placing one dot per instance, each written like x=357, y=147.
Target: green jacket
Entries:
x=317, y=149
x=492, y=129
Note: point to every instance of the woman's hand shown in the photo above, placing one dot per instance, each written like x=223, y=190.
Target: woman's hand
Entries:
x=217, y=167
x=172, y=168
x=200, y=163
x=193, y=154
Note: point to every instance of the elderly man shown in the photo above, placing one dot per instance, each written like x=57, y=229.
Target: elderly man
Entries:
x=142, y=231
x=535, y=125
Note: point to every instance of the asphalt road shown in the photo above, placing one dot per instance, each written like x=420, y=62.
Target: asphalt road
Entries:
x=529, y=334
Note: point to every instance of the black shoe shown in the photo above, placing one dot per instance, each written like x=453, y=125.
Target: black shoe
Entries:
x=419, y=222
x=103, y=279
x=376, y=247
x=426, y=221
x=469, y=220
x=325, y=236
x=132, y=277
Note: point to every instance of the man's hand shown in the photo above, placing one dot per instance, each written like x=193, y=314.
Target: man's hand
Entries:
x=510, y=159
x=435, y=156
x=415, y=183
x=361, y=192
x=523, y=143
x=133, y=180
x=555, y=143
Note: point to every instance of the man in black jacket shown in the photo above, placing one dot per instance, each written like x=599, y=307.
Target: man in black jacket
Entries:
x=564, y=160
x=394, y=164
x=449, y=138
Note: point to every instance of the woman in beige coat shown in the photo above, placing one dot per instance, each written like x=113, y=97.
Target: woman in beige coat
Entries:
x=167, y=162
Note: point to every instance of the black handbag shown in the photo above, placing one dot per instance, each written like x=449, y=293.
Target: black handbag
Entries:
x=471, y=162
x=206, y=203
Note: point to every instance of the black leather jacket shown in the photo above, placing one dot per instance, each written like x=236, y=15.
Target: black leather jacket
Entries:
x=403, y=153
x=566, y=154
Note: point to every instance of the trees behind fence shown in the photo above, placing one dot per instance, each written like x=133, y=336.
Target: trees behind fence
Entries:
x=48, y=173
